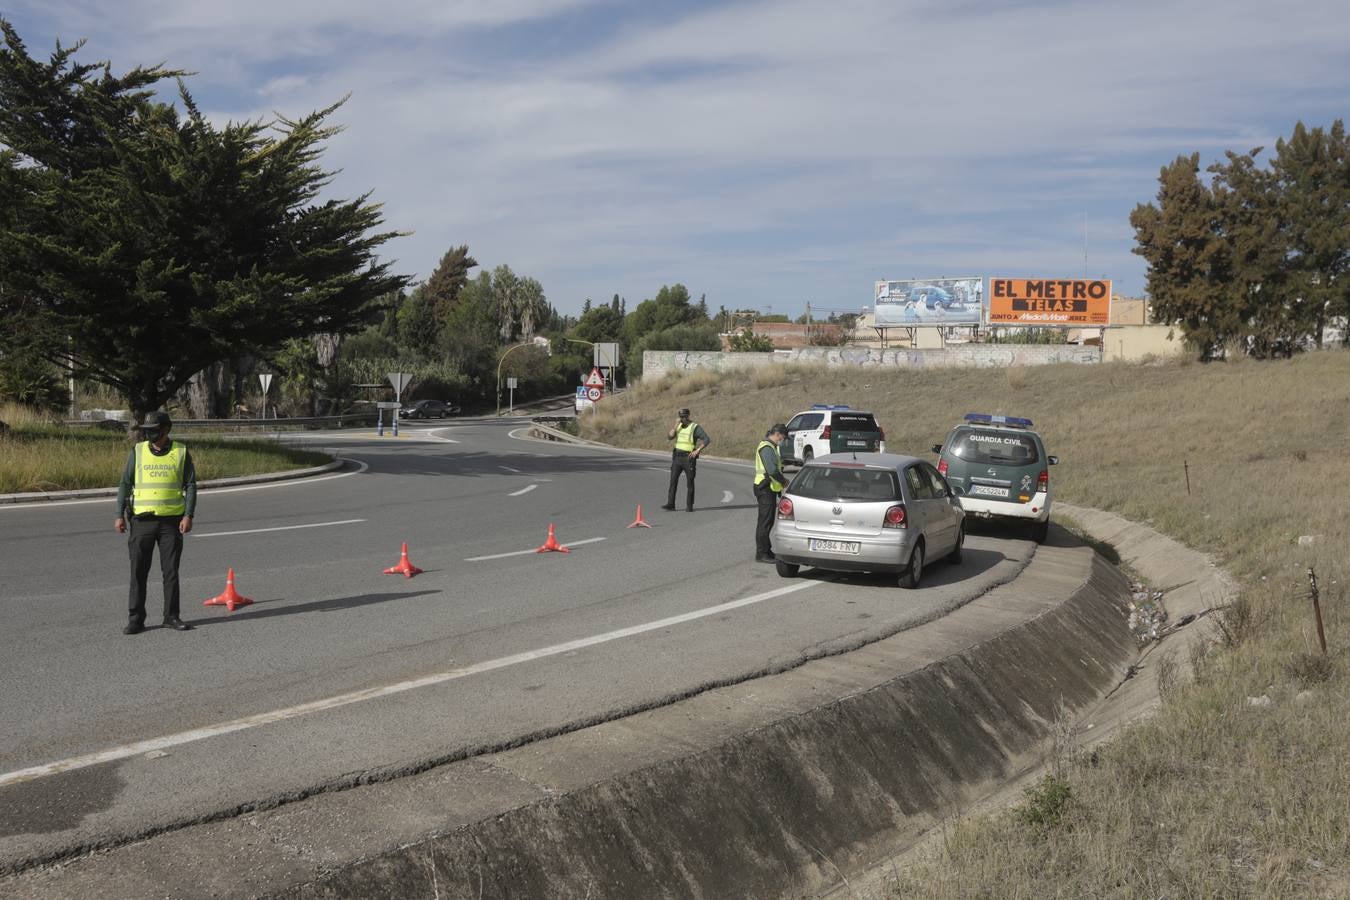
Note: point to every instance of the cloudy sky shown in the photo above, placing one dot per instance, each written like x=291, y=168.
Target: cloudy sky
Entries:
x=766, y=154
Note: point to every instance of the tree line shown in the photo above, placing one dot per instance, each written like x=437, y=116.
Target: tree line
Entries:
x=1252, y=259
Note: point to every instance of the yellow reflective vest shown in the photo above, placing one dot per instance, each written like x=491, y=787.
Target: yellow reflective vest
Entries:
x=684, y=438
x=158, y=488
x=760, y=474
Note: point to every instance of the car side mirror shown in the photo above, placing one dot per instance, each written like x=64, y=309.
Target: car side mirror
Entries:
x=1054, y=460
x=937, y=448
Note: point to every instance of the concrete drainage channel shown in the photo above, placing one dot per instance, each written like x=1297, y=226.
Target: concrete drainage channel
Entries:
x=775, y=786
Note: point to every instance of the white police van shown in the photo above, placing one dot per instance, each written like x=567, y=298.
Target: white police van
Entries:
x=832, y=428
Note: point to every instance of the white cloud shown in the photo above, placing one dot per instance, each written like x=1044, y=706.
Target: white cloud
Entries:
x=759, y=149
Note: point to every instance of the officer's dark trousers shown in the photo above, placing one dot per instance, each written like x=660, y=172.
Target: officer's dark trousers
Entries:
x=680, y=461
x=144, y=535
x=767, y=501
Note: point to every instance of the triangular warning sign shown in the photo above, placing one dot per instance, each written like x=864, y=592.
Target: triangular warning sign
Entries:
x=595, y=379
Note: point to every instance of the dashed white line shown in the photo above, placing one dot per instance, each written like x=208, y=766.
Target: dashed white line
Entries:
x=184, y=737
x=278, y=528
x=524, y=490
x=528, y=552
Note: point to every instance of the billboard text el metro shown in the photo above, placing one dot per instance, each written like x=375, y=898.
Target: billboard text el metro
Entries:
x=1049, y=301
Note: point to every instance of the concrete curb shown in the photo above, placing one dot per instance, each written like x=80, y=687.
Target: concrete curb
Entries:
x=52, y=496
x=768, y=787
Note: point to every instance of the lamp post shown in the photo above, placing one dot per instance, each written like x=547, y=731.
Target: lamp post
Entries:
x=499, y=373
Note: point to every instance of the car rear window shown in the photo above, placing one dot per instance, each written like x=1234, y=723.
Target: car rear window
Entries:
x=845, y=484
x=990, y=446
x=854, y=422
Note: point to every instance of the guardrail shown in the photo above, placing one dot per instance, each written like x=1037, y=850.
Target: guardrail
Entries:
x=308, y=422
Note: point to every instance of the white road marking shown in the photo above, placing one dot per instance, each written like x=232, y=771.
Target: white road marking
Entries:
x=291, y=712
x=511, y=470
x=279, y=528
x=524, y=490
x=112, y=498
x=528, y=552
x=727, y=496
x=657, y=469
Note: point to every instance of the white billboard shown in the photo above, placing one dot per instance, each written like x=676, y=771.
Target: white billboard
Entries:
x=929, y=301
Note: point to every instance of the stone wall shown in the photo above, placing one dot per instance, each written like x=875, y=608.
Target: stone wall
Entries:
x=658, y=363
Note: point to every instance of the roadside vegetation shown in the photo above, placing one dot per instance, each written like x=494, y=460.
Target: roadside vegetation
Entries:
x=1219, y=794
x=37, y=454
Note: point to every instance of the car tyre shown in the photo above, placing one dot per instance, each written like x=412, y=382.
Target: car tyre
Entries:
x=442, y=414
x=1040, y=531
x=807, y=455
x=909, y=579
x=955, y=556
x=786, y=569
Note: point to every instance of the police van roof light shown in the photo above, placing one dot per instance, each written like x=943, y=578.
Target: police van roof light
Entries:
x=829, y=406
x=987, y=419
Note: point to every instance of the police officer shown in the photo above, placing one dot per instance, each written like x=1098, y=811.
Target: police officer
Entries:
x=769, y=483
x=156, y=497
x=690, y=440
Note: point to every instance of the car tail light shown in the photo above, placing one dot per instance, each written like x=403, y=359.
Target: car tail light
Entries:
x=942, y=467
x=1043, y=481
x=785, y=508
x=825, y=433
x=895, y=517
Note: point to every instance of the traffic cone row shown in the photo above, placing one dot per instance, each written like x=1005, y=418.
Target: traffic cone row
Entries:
x=231, y=599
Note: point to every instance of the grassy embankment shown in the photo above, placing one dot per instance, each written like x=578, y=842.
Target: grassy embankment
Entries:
x=39, y=455
x=1215, y=796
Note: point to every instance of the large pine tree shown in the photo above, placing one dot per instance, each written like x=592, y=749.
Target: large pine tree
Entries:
x=153, y=243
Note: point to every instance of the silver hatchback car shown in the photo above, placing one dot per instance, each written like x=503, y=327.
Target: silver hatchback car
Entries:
x=881, y=513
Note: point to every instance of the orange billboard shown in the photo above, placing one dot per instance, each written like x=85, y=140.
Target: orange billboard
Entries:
x=1049, y=301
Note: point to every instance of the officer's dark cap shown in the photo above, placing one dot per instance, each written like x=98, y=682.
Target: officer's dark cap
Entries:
x=683, y=412
x=157, y=419
x=780, y=428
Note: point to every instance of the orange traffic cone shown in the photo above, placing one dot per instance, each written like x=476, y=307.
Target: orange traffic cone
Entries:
x=551, y=545
x=231, y=598
x=638, y=522
x=405, y=566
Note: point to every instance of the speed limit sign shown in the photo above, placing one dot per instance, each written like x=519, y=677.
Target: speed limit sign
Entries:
x=593, y=394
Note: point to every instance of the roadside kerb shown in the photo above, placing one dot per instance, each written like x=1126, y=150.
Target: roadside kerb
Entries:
x=50, y=496
x=767, y=787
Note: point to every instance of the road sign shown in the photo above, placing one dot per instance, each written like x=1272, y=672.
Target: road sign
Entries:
x=265, y=379
x=399, y=380
x=595, y=379
x=606, y=356
x=511, y=382
x=593, y=394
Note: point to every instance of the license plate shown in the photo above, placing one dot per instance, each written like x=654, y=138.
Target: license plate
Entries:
x=857, y=444
x=988, y=490
x=824, y=546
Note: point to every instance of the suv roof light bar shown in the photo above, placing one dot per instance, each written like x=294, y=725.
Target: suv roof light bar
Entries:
x=830, y=406
x=987, y=419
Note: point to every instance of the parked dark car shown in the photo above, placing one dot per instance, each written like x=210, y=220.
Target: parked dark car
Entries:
x=428, y=409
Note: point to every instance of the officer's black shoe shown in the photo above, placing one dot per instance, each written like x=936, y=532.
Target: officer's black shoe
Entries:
x=669, y=506
x=688, y=509
x=134, y=627
x=177, y=624
x=765, y=557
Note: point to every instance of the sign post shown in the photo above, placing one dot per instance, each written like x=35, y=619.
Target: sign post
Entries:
x=265, y=379
x=399, y=380
x=510, y=394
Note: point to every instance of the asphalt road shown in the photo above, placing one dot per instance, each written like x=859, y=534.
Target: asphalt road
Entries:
x=338, y=673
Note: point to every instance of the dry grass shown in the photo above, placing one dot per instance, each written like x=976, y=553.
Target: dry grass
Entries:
x=39, y=456
x=1215, y=796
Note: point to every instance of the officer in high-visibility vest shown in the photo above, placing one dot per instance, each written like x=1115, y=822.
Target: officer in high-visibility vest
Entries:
x=157, y=497
x=769, y=483
x=690, y=440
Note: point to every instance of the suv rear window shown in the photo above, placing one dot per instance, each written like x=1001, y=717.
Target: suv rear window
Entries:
x=839, y=483
x=846, y=421
x=995, y=447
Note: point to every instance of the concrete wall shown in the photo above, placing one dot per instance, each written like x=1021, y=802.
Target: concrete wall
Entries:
x=658, y=363
x=1131, y=343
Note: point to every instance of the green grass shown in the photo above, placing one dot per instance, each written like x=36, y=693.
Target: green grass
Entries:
x=39, y=455
x=1213, y=796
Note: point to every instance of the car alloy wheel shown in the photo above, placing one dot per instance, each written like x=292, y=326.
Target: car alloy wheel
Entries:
x=909, y=579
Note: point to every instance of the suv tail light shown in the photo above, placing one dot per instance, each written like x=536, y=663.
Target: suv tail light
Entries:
x=942, y=467
x=825, y=433
x=1043, y=481
x=895, y=517
x=785, y=509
